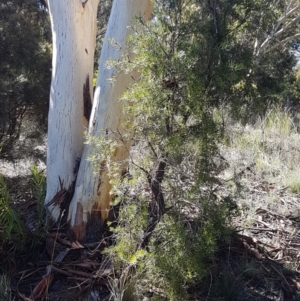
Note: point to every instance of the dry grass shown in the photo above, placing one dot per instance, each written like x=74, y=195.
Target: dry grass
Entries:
x=264, y=163
x=264, y=177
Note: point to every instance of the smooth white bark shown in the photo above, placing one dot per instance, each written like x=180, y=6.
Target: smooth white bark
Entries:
x=74, y=36
x=92, y=191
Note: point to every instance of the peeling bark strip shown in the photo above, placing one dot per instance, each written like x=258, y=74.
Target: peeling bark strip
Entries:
x=157, y=206
x=87, y=100
x=64, y=196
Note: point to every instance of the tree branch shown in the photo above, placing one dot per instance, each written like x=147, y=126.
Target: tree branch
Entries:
x=283, y=29
x=288, y=12
x=284, y=41
x=157, y=205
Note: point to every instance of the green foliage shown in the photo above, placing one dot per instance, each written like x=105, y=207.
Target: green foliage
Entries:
x=11, y=229
x=38, y=184
x=132, y=220
x=181, y=259
x=181, y=246
x=103, y=148
x=25, y=67
x=188, y=64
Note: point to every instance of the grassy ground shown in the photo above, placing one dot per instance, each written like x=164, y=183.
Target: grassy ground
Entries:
x=261, y=259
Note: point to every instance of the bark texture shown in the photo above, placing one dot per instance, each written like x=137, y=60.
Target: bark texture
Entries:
x=74, y=38
x=91, y=202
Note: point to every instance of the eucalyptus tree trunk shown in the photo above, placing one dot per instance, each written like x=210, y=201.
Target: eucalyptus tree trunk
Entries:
x=72, y=111
x=74, y=37
x=91, y=201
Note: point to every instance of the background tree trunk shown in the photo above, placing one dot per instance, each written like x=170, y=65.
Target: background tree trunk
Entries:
x=74, y=37
x=90, y=204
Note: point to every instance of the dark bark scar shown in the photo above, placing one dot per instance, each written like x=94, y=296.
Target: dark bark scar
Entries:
x=84, y=3
x=87, y=100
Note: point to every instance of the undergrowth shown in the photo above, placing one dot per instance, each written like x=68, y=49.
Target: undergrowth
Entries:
x=22, y=227
x=267, y=151
x=4, y=288
x=38, y=187
x=185, y=244
x=177, y=258
x=197, y=218
x=11, y=229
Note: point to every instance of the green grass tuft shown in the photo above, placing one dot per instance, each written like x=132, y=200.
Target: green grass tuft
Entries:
x=11, y=229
